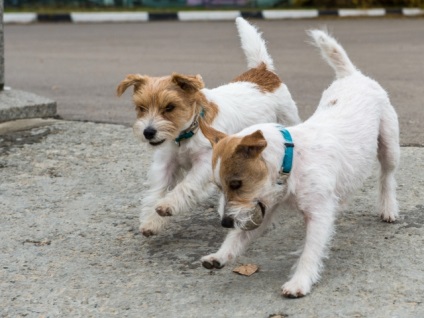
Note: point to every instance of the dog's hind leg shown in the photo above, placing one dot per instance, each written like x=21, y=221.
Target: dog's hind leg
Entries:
x=388, y=156
x=287, y=113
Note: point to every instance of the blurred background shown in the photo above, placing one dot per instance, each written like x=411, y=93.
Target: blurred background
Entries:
x=79, y=65
x=140, y=4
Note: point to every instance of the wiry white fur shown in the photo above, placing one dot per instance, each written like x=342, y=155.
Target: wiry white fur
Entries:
x=334, y=153
x=253, y=45
x=332, y=52
x=179, y=176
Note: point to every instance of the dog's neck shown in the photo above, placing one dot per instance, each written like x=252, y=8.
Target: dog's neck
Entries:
x=206, y=110
x=192, y=129
x=279, y=151
x=279, y=156
x=287, y=162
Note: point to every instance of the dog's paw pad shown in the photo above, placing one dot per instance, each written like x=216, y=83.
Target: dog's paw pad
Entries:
x=217, y=264
x=211, y=263
x=207, y=265
x=164, y=210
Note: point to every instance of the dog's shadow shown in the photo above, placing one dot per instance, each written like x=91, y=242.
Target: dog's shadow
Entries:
x=191, y=236
x=187, y=238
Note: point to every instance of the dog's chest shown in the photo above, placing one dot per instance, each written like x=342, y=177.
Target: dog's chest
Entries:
x=184, y=158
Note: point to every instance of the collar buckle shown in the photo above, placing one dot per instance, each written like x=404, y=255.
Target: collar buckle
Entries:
x=190, y=131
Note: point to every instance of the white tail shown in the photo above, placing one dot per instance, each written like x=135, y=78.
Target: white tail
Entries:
x=333, y=53
x=253, y=45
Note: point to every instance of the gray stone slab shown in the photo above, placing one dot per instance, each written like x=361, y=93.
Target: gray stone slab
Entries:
x=16, y=104
x=25, y=124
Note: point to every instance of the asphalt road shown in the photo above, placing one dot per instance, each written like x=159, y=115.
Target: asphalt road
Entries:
x=79, y=66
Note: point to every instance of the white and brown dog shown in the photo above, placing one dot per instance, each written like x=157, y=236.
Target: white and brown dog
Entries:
x=168, y=111
x=323, y=161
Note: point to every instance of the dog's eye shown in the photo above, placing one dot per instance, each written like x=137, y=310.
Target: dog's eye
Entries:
x=141, y=109
x=169, y=108
x=235, y=184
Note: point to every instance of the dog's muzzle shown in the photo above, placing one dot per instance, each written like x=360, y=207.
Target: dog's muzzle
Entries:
x=150, y=134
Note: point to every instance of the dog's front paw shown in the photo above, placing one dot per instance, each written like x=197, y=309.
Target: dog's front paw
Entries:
x=296, y=288
x=147, y=232
x=389, y=215
x=149, y=229
x=388, y=218
x=164, y=210
x=152, y=225
x=212, y=261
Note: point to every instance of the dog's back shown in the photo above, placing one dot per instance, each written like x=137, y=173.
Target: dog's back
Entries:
x=257, y=95
x=354, y=122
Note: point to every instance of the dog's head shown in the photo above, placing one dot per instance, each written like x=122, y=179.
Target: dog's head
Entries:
x=165, y=106
x=241, y=173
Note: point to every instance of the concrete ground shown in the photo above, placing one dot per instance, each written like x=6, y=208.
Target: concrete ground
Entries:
x=70, y=191
x=69, y=202
x=80, y=65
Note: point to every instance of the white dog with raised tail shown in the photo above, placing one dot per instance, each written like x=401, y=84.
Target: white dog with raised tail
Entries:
x=321, y=161
x=168, y=112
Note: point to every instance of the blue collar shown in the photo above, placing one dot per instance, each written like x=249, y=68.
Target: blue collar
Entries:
x=190, y=131
x=288, y=154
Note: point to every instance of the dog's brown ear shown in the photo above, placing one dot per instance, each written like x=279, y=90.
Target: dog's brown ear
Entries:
x=252, y=145
x=188, y=83
x=132, y=79
x=211, y=134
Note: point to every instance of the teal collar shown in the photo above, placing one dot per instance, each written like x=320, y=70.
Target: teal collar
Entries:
x=190, y=131
x=288, y=154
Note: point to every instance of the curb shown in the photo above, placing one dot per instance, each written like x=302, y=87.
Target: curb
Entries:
x=16, y=104
x=215, y=15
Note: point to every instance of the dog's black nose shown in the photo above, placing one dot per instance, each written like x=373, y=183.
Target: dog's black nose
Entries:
x=149, y=133
x=227, y=222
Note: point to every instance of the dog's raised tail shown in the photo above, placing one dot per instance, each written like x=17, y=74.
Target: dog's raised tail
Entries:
x=332, y=52
x=253, y=45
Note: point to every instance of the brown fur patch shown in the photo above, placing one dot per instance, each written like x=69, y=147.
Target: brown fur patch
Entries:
x=240, y=165
x=213, y=135
x=266, y=80
x=132, y=79
x=241, y=162
x=210, y=109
